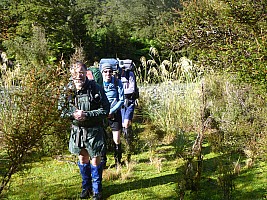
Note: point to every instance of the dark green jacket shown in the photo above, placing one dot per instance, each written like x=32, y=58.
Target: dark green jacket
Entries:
x=91, y=99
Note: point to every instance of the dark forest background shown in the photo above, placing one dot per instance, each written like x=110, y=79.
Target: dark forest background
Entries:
x=218, y=35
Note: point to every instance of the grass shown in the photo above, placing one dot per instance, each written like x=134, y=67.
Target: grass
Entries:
x=59, y=178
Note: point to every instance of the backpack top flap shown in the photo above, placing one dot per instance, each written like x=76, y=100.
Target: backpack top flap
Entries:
x=114, y=62
x=127, y=64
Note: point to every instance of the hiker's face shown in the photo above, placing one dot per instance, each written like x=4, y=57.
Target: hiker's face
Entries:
x=107, y=73
x=78, y=75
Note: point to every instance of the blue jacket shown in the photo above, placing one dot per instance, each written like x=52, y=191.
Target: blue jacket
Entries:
x=115, y=94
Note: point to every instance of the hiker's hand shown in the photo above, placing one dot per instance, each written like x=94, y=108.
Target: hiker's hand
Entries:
x=79, y=115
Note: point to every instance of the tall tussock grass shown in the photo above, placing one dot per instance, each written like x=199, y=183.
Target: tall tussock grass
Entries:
x=170, y=92
x=155, y=70
x=234, y=113
x=192, y=108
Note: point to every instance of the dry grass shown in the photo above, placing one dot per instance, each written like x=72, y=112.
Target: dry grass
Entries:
x=119, y=173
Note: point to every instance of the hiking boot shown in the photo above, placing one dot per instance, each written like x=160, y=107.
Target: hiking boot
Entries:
x=85, y=194
x=97, y=196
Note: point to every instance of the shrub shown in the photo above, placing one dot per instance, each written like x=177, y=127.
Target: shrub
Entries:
x=28, y=109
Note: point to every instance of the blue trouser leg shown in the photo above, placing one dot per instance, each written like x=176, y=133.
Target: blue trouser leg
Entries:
x=96, y=172
x=85, y=170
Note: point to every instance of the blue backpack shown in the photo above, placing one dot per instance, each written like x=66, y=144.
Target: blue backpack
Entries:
x=112, y=61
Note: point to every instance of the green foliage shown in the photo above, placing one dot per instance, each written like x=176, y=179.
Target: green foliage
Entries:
x=222, y=35
x=239, y=114
x=104, y=28
x=138, y=18
x=51, y=15
x=29, y=95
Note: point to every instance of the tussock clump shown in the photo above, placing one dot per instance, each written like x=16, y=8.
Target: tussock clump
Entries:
x=119, y=173
x=110, y=174
x=128, y=174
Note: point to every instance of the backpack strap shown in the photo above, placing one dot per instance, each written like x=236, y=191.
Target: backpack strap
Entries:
x=127, y=74
x=116, y=83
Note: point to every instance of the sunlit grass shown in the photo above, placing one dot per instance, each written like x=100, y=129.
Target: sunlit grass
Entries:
x=60, y=179
x=49, y=178
x=53, y=179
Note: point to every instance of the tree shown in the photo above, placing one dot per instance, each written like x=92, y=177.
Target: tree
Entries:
x=104, y=28
x=53, y=15
x=222, y=35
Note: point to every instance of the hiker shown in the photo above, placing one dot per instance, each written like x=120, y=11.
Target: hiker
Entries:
x=87, y=107
x=131, y=93
x=115, y=94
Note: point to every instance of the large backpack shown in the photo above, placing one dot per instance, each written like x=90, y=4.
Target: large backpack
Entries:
x=112, y=61
x=128, y=65
x=94, y=73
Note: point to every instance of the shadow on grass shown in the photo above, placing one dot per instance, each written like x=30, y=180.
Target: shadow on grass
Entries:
x=254, y=185
x=140, y=184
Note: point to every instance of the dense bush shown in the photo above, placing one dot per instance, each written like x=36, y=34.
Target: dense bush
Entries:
x=222, y=35
x=29, y=96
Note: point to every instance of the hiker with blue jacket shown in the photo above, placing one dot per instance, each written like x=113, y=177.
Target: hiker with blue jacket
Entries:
x=86, y=105
x=115, y=94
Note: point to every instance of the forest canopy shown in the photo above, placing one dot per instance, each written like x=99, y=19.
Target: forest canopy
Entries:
x=218, y=35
